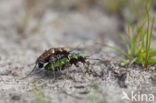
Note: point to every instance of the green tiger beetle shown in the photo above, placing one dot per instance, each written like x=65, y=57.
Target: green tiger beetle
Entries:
x=56, y=59
x=72, y=59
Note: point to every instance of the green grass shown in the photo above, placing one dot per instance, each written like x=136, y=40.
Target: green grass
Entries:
x=40, y=96
x=138, y=42
x=114, y=5
x=31, y=11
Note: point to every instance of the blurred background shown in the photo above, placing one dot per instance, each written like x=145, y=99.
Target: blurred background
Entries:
x=39, y=24
x=27, y=22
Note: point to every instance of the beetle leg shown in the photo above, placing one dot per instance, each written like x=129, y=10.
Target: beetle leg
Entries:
x=54, y=74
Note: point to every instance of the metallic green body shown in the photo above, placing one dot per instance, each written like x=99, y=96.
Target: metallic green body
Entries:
x=60, y=62
x=74, y=56
x=81, y=54
x=57, y=64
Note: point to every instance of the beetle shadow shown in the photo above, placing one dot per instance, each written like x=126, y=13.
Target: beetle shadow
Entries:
x=57, y=75
x=48, y=74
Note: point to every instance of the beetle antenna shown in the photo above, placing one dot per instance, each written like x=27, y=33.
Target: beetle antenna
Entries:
x=29, y=73
x=98, y=59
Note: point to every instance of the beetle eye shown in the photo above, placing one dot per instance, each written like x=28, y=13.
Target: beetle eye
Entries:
x=40, y=65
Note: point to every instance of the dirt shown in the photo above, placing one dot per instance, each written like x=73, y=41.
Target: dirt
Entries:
x=80, y=30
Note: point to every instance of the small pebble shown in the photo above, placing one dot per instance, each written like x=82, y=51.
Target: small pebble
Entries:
x=15, y=74
x=15, y=97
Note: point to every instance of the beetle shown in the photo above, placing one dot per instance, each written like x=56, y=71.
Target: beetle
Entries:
x=60, y=58
x=72, y=59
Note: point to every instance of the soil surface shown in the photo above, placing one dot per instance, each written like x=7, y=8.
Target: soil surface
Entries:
x=25, y=35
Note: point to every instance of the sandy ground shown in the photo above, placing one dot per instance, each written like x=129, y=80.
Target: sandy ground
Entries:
x=76, y=29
